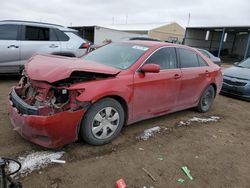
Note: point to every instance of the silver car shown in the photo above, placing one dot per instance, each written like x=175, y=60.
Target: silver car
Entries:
x=206, y=53
x=19, y=40
x=236, y=80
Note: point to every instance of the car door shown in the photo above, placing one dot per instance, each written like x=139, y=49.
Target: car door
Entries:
x=156, y=93
x=9, y=48
x=36, y=39
x=195, y=77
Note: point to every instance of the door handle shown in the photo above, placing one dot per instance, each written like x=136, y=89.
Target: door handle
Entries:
x=53, y=46
x=12, y=46
x=207, y=73
x=177, y=76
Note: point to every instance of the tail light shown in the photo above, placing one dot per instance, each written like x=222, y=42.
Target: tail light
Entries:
x=84, y=46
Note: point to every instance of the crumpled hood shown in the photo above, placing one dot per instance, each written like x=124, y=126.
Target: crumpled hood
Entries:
x=237, y=72
x=54, y=68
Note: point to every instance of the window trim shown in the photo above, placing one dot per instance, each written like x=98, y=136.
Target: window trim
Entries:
x=138, y=70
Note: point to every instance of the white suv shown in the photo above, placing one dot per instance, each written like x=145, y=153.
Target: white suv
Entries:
x=19, y=40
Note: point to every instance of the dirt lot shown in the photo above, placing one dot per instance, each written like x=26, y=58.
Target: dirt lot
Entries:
x=218, y=154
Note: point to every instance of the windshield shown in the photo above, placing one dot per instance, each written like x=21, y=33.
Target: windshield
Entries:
x=245, y=63
x=118, y=55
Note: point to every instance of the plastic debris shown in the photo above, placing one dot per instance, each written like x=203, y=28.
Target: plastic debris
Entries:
x=180, y=180
x=141, y=149
x=160, y=158
x=121, y=183
x=187, y=172
x=58, y=161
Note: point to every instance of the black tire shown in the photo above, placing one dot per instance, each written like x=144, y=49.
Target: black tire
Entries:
x=91, y=122
x=206, y=100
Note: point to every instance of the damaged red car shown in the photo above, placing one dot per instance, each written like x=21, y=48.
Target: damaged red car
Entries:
x=59, y=99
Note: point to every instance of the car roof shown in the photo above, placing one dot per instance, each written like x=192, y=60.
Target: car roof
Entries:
x=22, y=22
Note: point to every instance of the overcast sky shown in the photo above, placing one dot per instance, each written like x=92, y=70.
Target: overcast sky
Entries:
x=102, y=12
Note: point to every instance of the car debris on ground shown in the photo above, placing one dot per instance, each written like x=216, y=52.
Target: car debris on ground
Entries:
x=58, y=161
x=180, y=180
x=121, y=183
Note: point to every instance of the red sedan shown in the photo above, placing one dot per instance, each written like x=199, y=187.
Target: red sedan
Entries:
x=60, y=99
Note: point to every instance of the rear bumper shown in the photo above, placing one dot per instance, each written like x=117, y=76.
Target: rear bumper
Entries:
x=48, y=131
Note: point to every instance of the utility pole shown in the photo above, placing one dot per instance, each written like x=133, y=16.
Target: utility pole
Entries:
x=189, y=16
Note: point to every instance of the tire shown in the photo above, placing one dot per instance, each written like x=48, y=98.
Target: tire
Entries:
x=206, y=100
x=102, y=122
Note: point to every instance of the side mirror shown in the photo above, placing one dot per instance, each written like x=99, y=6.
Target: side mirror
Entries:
x=150, y=68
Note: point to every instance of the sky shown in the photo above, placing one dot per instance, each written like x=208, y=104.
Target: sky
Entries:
x=104, y=12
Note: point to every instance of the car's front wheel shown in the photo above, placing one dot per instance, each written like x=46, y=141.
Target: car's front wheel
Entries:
x=102, y=122
x=206, y=99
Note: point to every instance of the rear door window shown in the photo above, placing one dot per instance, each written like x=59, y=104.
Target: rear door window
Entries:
x=188, y=58
x=8, y=32
x=165, y=57
x=37, y=33
x=202, y=62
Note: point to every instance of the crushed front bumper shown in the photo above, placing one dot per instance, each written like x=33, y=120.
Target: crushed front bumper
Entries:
x=50, y=131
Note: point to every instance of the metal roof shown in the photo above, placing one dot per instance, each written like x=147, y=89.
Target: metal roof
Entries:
x=220, y=27
x=136, y=26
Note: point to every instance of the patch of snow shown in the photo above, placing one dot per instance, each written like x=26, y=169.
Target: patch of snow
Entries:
x=35, y=161
x=199, y=120
x=149, y=133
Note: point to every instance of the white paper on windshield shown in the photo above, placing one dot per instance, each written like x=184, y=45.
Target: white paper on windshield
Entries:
x=140, y=48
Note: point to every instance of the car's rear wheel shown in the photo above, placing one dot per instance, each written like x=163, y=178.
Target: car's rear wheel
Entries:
x=206, y=99
x=103, y=122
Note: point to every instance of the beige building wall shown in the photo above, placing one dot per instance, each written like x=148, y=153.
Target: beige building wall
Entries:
x=168, y=32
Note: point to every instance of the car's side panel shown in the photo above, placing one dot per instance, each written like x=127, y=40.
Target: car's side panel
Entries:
x=155, y=93
x=121, y=86
x=193, y=82
x=73, y=45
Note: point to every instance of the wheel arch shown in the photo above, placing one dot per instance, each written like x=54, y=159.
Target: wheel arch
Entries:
x=118, y=98
x=215, y=88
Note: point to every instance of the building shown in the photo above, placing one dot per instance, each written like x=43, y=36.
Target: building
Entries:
x=100, y=35
x=226, y=41
x=171, y=32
